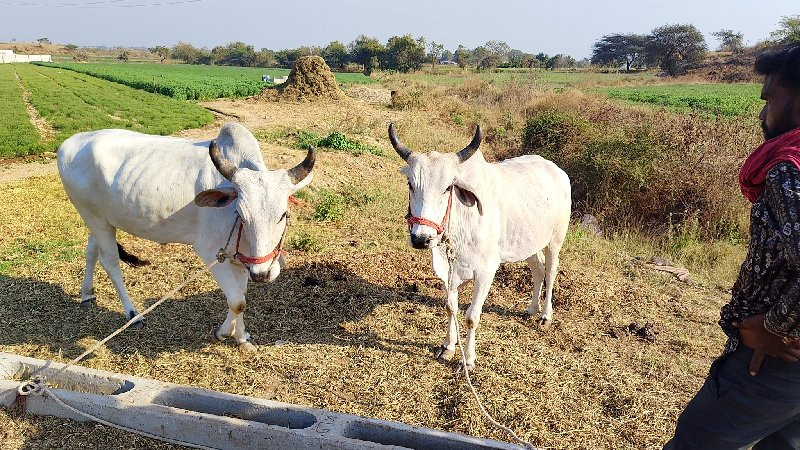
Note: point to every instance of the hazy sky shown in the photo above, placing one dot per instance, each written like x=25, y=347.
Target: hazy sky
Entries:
x=552, y=26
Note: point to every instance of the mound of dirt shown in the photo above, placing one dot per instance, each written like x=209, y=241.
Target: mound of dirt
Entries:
x=311, y=79
x=728, y=68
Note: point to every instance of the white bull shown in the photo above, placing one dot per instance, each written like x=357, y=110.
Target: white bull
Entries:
x=168, y=189
x=507, y=211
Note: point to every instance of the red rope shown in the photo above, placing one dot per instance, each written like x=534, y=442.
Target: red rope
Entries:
x=422, y=221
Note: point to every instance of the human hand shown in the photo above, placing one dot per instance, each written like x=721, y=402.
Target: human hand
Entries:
x=754, y=335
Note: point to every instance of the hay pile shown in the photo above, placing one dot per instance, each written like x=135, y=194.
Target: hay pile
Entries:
x=311, y=79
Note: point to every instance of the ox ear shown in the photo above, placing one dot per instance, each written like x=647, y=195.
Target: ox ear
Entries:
x=468, y=198
x=216, y=198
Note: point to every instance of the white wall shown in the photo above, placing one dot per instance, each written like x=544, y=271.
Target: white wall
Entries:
x=8, y=56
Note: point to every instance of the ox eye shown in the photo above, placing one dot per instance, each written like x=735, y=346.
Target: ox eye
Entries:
x=410, y=187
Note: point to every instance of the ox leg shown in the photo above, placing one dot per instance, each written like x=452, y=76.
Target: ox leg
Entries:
x=551, y=270
x=233, y=282
x=536, y=264
x=106, y=240
x=87, y=288
x=448, y=347
x=442, y=269
x=483, y=281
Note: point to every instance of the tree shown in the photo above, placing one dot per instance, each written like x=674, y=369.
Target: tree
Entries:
x=789, y=31
x=287, y=57
x=447, y=55
x=124, y=56
x=43, y=40
x=234, y=54
x=619, y=49
x=729, y=41
x=161, y=51
x=497, y=54
x=675, y=48
x=479, y=57
x=404, y=53
x=366, y=51
x=266, y=58
x=71, y=47
x=335, y=55
x=434, y=53
x=190, y=54
x=462, y=56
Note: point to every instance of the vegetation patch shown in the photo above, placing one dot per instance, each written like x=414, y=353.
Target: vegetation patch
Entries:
x=713, y=99
x=72, y=102
x=18, y=136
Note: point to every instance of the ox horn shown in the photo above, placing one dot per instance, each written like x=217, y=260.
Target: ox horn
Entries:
x=470, y=150
x=401, y=149
x=299, y=172
x=225, y=167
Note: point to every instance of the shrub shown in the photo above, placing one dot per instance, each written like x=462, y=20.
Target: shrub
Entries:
x=305, y=242
x=550, y=131
x=330, y=206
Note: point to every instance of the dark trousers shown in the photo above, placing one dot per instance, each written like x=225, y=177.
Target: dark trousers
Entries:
x=734, y=410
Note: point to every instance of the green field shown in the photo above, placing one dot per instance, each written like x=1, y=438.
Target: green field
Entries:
x=192, y=82
x=16, y=130
x=453, y=76
x=72, y=102
x=715, y=99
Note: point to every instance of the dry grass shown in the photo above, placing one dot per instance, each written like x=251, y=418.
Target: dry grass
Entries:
x=360, y=340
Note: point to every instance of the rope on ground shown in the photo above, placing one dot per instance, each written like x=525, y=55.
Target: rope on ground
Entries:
x=450, y=255
x=39, y=386
x=478, y=399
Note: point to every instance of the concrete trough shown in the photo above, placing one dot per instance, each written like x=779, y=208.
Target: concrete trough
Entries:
x=211, y=418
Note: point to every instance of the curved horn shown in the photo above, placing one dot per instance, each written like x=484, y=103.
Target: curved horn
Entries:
x=401, y=149
x=470, y=150
x=225, y=167
x=299, y=172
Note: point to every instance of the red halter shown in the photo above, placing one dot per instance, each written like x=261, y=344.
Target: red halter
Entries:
x=261, y=259
x=422, y=221
x=257, y=259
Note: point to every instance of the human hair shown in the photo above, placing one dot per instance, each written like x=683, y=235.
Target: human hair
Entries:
x=783, y=61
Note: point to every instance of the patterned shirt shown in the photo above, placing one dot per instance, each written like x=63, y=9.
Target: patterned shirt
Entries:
x=769, y=279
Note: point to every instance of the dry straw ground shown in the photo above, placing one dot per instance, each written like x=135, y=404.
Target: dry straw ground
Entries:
x=350, y=325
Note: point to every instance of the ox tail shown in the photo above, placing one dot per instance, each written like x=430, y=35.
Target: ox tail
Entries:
x=131, y=260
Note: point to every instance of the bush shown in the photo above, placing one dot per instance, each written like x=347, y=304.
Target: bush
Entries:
x=330, y=207
x=550, y=131
x=304, y=242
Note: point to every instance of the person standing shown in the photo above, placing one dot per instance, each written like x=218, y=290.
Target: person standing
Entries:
x=751, y=397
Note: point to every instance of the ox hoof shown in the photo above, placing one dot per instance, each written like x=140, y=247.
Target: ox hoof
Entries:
x=139, y=323
x=526, y=316
x=544, y=323
x=219, y=337
x=89, y=302
x=469, y=366
x=248, y=347
x=443, y=354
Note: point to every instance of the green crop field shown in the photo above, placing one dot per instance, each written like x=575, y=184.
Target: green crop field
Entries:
x=191, y=82
x=16, y=130
x=714, y=99
x=453, y=76
x=71, y=102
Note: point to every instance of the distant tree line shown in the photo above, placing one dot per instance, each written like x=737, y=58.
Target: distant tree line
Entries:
x=400, y=53
x=677, y=48
x=673, y=48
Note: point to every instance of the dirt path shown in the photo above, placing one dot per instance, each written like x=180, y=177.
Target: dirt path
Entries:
x=46, y=131
x=20, y=170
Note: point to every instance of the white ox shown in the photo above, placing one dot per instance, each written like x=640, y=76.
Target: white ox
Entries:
x=168, y=189
x=507, y=211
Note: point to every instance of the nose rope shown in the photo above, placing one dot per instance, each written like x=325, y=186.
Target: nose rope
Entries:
x=412, y=219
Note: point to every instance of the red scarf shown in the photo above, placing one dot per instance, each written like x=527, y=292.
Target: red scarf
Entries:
x=753, y=175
